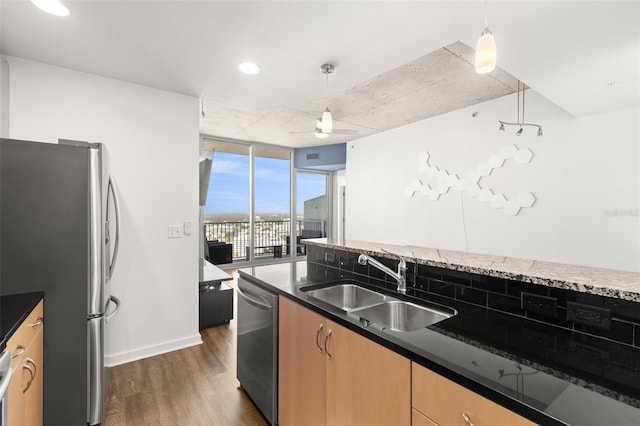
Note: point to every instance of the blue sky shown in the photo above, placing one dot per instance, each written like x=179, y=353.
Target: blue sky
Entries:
x=229, y=185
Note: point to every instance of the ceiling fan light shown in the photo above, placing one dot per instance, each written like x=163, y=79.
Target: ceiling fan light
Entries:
x=485, y=59
x=501, y=128
x=519, y=132
x=52, y=7
x=539, y=131
x=321, y=135
x=326, y=125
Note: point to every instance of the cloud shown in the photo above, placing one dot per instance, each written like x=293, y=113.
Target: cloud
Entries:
x=229, y=167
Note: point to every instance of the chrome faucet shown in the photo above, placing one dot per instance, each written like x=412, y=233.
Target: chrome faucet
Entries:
x=400, y=276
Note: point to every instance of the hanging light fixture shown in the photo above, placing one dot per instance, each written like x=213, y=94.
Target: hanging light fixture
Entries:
x=326, y=123
x=485, y=59
x=520, y=121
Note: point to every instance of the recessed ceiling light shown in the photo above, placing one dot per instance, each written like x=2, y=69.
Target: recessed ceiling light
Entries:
x=52, y=7
x=249, y=68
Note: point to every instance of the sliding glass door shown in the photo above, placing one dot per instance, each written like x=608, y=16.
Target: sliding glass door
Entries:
x=313, y=206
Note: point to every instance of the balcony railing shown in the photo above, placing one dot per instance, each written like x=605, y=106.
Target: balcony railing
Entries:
x=271, y=237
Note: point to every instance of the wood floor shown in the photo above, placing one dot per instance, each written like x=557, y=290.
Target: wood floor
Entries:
x=189, y=387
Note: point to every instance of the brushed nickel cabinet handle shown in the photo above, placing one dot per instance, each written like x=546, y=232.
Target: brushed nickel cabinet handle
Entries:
x=19, y=351
x=326, y=344
x=318, y=338
x=466, y=418
x=39, y=321
x=33, y=376
x=33, y=363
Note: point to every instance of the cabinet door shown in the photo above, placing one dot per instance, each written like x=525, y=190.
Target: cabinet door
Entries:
x=367, y=384
x=33, y=396
x=16, y=396
x=444, y=402
x=301, y=366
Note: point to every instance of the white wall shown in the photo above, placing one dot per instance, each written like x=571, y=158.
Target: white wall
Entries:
x=584, y=174
x=152, y=136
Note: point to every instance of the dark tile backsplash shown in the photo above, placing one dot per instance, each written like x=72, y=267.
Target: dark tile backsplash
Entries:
x=448, y=287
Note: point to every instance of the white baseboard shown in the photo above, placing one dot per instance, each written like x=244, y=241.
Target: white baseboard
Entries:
x=149, y=351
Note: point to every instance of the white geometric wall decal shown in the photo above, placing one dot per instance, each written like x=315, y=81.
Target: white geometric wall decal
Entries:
x=471, y=181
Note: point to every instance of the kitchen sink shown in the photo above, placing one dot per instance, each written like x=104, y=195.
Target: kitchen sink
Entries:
x=397, y=315
x=347, y=296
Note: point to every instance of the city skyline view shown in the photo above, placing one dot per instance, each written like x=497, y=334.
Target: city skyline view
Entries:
x=229, y=186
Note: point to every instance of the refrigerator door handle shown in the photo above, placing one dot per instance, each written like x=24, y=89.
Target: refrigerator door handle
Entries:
x=116, y=301
x=116, y=205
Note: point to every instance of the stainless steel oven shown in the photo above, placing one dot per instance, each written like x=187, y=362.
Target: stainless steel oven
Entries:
x=5, y=378
x=258, y=347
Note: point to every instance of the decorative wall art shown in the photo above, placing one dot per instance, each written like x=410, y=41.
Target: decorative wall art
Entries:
x=471, y=182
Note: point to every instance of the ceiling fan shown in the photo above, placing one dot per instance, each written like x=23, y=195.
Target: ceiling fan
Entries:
x=324, y=124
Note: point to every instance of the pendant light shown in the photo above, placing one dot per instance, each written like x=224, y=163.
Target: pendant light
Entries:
x=485, y=59
x=326, y=123
x=520, y=121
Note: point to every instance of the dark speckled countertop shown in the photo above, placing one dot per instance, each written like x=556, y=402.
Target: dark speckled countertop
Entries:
x=498, y=356
x=599, y=281
x=13, y=310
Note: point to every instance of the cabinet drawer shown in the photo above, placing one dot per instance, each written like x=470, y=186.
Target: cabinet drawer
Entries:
x=24, y=335
x=417, y=419
x=444, y=402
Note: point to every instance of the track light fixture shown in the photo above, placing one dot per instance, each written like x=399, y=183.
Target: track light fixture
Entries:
x=520, y=121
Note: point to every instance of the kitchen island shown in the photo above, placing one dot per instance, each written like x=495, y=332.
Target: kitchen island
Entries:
x=545, y=368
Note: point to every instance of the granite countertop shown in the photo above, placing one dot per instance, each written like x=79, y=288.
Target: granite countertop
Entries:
x=461, y=349
x=600, y=281
x=13, y=311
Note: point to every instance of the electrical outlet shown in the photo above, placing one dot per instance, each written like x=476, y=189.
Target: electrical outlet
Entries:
x=175, y=231
x=590, y=315
x=541, y=305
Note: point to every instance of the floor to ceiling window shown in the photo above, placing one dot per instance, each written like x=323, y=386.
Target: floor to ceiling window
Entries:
x=272, y=201
x=247, y=216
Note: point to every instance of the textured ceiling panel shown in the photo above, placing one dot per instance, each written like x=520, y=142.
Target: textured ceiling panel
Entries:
x=439, y=82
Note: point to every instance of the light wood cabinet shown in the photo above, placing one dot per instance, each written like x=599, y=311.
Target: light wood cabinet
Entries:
x=331, y=375
x=447, y=403
x=367, y=384
x=417, y=419
x=301, y=365
x=26, y=388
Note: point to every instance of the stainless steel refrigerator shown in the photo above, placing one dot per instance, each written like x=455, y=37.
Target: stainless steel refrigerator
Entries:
x=59, y=233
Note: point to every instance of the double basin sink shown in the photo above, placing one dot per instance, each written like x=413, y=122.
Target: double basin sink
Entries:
x=385, y=311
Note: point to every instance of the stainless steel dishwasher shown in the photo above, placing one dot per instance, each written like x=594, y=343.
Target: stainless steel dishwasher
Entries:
x=258, y=347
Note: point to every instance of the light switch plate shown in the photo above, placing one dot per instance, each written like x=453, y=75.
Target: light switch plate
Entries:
x=187, y=228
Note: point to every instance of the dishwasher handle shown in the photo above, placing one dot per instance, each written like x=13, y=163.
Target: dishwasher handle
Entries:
x=255, y=302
